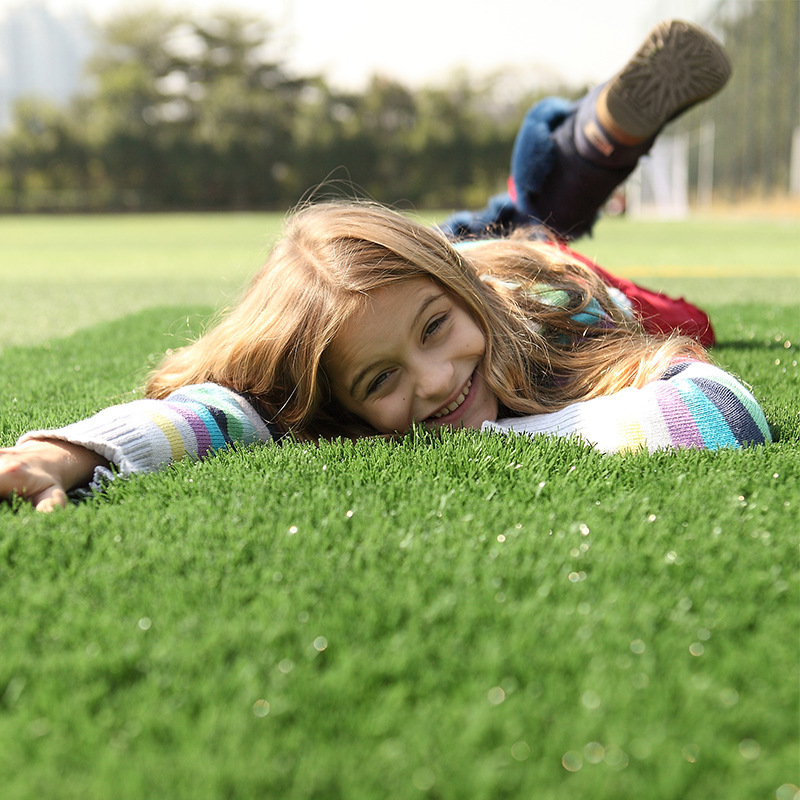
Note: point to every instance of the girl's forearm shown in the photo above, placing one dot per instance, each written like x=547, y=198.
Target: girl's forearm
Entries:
x=74, y=464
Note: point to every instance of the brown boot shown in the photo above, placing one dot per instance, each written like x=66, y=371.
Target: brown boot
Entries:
x=677, y=66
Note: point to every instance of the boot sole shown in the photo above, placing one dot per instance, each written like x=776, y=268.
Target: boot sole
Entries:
x=677, y=66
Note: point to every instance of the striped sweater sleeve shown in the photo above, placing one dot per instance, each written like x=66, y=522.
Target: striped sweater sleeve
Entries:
x=693, y=405
x=146, y=435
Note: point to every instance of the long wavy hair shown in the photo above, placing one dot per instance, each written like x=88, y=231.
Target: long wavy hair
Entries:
x=538, y=358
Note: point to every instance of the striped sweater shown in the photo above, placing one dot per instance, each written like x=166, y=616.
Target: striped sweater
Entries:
x=693, y=405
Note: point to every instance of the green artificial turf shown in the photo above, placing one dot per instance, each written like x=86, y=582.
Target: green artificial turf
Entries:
x=463, y=616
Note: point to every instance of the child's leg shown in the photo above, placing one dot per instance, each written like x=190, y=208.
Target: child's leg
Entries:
x=569, y=157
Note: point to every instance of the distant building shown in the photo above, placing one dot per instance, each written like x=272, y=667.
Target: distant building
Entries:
x=40, y=55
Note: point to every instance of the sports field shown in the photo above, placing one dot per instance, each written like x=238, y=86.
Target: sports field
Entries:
x=472, y=617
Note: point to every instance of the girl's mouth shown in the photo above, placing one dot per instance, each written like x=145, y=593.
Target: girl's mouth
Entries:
x=449, y=409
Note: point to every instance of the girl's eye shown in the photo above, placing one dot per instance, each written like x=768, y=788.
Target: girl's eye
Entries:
x=434, y=325
x=378, y=382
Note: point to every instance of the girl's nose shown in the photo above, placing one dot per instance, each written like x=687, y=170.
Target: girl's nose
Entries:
x=434, y=380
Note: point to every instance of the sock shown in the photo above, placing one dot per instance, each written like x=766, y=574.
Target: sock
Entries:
x=596, y=144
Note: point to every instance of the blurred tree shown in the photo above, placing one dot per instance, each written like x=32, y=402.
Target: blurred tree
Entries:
x=45, y=156
x=197, y=112
x=335, y=153
x=193, y=111
x=463, y=143
x=434, y=147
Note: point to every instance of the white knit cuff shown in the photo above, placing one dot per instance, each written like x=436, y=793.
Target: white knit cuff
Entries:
x=117, y=438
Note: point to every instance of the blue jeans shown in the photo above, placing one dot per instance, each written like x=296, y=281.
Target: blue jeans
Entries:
x=560, y=180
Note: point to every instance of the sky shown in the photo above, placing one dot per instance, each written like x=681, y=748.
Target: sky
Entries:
x=423, y=41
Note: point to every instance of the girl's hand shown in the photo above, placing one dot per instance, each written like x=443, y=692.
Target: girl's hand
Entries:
x=44, y=470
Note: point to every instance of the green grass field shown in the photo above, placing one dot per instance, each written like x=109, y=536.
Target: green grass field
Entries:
x=476, y=617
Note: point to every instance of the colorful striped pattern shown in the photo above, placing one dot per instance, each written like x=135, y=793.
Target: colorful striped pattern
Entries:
x=693, y=405
x=146, y=435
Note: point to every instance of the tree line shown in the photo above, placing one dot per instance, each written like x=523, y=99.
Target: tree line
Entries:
x=195, y=113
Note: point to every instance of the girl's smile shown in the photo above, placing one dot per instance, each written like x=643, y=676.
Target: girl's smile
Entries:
x=413, y=354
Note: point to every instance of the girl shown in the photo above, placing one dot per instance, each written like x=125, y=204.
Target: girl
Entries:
x=365, y=322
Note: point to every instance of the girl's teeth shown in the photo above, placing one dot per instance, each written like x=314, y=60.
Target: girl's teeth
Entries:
x=456, y=403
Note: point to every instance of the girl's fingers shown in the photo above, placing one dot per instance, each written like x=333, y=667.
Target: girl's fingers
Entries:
x=50, y=499
x=20, y=477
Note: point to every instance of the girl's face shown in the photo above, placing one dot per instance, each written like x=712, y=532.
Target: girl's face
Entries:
x=413, y=354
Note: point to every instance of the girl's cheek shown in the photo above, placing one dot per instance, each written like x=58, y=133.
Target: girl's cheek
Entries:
x=398, y=413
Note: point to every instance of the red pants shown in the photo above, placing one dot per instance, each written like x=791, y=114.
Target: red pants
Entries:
x=658, y=313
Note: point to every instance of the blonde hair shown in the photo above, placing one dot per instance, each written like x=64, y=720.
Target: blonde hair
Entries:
x=538, y=356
